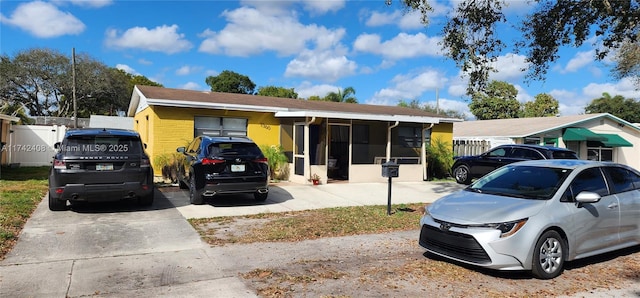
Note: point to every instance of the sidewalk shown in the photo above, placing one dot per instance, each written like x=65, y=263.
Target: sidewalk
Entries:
x=287, y=196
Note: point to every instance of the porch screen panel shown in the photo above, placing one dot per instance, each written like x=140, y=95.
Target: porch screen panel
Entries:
x=361, y=145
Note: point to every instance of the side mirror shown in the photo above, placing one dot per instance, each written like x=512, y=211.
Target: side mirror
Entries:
x=181, y=149
x=588, y=197
x=56, y=145
x=144, y=145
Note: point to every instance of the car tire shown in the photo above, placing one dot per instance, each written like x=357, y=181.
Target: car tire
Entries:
x=57, y=205
x=147, y=200
x=260, y=197
x=462, y=174
x=548, y=256
x=195, y=196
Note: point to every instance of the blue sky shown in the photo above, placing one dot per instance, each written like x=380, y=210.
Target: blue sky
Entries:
x=313, y=46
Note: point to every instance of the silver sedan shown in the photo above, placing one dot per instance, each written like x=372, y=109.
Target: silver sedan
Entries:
x=535, y=215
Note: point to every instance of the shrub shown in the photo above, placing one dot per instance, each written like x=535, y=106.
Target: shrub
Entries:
x=439, y=158
x=169, y=164
x=278, y=161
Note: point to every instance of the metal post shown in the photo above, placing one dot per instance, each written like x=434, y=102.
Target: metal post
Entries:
x=389, y=197
x=75, y=102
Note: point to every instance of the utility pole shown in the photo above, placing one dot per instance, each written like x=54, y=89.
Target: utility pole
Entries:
x=75, y=102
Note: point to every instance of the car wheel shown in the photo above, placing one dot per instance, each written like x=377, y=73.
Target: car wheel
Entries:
x=195, y=196
x=548, y=256
x=462, y=175
x=146, y=200
x=57, y=205
x=260, y=197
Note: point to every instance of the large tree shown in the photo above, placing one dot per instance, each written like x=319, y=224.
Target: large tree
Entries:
x=277, y=92
x=544, y=105
x=231, y=82
x=624, y=108
x=472, y=41
x=498, y=101
x=42, y=81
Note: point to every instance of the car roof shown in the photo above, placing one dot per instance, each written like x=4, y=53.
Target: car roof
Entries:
x=227, y=139
x=570, y=164
x=101, y=131
x=552, y=148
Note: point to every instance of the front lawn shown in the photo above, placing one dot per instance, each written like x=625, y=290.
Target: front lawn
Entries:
x=21, y=190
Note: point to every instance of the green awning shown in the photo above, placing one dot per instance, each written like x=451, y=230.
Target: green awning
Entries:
x=581, y=134
x=614, y=140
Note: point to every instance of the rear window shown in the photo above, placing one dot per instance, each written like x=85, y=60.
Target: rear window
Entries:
x=99, y=145
x=564, y=155
x=232, y=149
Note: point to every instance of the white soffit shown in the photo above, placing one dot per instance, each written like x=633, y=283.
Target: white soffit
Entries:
x=358, y=116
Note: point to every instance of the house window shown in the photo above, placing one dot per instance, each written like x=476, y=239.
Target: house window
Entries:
x=599, y=153
x=409, y=137
x=219, y=126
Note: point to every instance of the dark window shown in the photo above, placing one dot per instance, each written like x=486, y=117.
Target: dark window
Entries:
x=588, y=180
x=622, y=179
x=99, y=145
x=499, y=152
x=526, y=153
x=564, y=155
x=232, y=149
x=410, y=137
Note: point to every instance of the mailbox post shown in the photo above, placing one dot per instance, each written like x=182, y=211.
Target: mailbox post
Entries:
x=390, y=169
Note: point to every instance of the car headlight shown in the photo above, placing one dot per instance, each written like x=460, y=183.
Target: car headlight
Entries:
x=508, y=228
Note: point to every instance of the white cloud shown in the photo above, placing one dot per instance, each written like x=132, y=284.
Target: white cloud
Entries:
x=127, y=69
x=322, y=7
x=144, y=61
x=192, y=86
x=409, y=86
x=579, y=60
x=284, y=7
x=307, y=89
x=624, y=87
x=249, y=31
x=406, y=21
x=89, y=3
x=326, y=65
x=509, y=68
x=186, y=70
x=402, y=46
x=44, y=20
x=454, y=105
x=163, y=39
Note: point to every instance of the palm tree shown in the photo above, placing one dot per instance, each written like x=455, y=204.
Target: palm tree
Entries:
x=342, y=96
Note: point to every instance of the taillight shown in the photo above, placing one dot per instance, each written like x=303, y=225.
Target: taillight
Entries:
x=262, y=160
x=59, y=164
x=211, y=161
x=144, y=163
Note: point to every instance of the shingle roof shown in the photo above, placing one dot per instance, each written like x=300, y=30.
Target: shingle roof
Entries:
x=520, y=127
x=183, y=97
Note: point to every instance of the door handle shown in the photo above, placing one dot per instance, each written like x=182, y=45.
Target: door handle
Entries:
x=612, y=206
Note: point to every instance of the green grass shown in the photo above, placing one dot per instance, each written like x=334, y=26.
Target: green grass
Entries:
x=21, y=190
x=310, y=224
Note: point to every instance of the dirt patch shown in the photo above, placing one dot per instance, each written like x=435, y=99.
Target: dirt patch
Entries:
x=394, y=265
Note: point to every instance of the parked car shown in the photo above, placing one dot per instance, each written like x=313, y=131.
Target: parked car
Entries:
x=223, y=165
x=536, y=215
x=95, y=165
x=467, y=168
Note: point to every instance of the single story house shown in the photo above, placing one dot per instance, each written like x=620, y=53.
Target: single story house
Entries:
x=336, y=141
x=602, y=136
x=5, y=130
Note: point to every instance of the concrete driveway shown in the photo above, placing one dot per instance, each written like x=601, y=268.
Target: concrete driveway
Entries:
x=123, y=250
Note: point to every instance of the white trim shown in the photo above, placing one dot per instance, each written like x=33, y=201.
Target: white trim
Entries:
x=358, y=116
x=197, y=104
x=9, y=118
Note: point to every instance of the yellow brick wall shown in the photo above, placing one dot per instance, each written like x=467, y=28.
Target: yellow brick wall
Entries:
x=164, y=129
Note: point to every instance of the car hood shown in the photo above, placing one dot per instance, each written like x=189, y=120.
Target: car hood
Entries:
x=466, y=207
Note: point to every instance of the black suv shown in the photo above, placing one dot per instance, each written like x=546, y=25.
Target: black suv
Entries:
x=466, y=168
x=97, y=165
x=223, y=165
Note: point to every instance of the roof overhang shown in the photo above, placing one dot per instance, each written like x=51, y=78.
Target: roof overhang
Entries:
x=357, y=116
x=211, y=105
x=9, y=118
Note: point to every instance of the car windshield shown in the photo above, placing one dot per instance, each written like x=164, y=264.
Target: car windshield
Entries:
x=233, y=149
x=99, y=145
x=528, y=182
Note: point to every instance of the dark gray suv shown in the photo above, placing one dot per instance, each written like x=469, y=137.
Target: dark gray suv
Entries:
x=223, y=165
x=97, y=165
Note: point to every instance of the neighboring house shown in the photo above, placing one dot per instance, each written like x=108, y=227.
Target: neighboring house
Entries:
x=99, y=121
x=5, y=130
x=337, y=141
x=593, y=136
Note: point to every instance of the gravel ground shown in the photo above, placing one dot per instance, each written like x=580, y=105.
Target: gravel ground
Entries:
x=394, y=265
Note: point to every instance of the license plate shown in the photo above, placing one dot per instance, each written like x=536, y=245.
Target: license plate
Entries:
x=104, y=167
x=237, y=168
